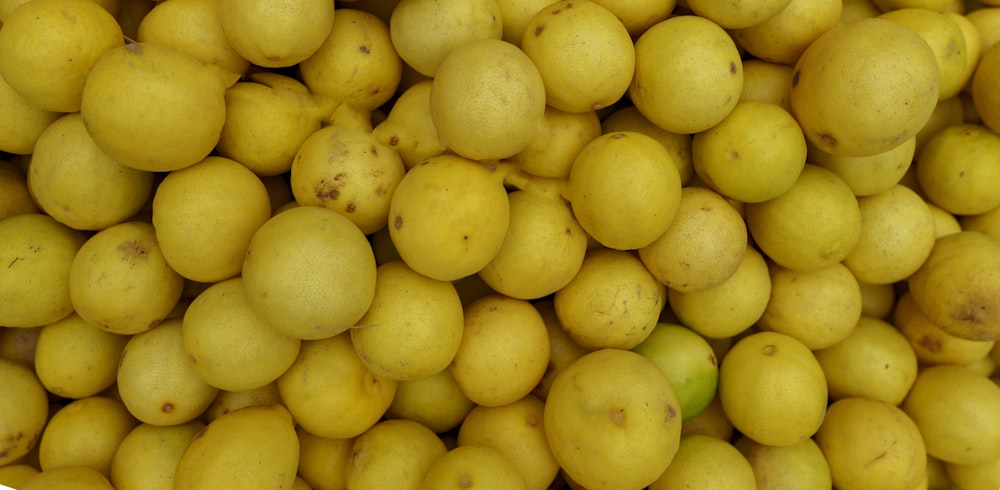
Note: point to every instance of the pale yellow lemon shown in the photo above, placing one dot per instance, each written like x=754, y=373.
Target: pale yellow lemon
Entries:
x=782, y=37
x=75, y=359
x=688, y=74
x=393, y=454
x=157, y=380
x=945, y=394
x=702, y=247
x=945, y=38
x=76, y=476
x=189, y=106
x=35, y=285
x=583, y=52
x=800, y=465
x=639, y=16
x=487, y=99
x=503, y=352
x=414, y=326
x=542, y=251
x=819, y=308
x=268, y=117
x=229, y=401
x=195, y=27
x=563, y=349
x=22, y=121
x=474, y=465
x=772, y=389
x=730, y=158
x=86, y=432
x=518, y=432
x=14, y=195
x=931, y=344
x=561, y=137
x=424, y=32
x=78, y=184
x=232, y=347
x=16, y=474
x=256, y=447
x=448, y=217
x=870, y=174
x=873, y=346
x=356, y=64
x=877, y=300
x=148, y=455
x=678, y=145
x=737, y=15
x=946, y=223
x=871, y=444
x=985, y=91
x=958, y=169
x=48, y=48
x=813, y=225
x=120, y=280
x=26, y=402
x=890, y=104
x=276, y=35
x=323, y=461
x=613, y=301
x=624, y=189
x=948, y=112
x=988, y=222
x=612, y=420
x=515, y=15
x=767, y=82
x=309, y=272
x=711, y=421
x=435, y=401
x=706, y=462
x=330, y=392
x=731, y=307
x=408, y=128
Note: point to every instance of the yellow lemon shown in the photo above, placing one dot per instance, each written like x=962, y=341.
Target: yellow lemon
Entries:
x=985, y=91
x=48, y=48
x=435, y=401
x=561, y=137
x=86, y=432
x=688, y=74
x=870, y=174
x=408, y=128
x=468, y=466
x=737, y=15
x=767, y=82
x=424, y=32
x=76, y=476
x=26, y=404
x=931, y=344
x=323, y=461
x=959, y=169
x=148, y=456
x=678, y=145
x=14, y=195
x=706, y=462
x=782, y=37
x=563, y=349
x=22, y=122
x=189, y=105
x=945, y=38
x=800, y=465
x=75, y=359
x=393, y=454
x=276, y=35
x=229, y=401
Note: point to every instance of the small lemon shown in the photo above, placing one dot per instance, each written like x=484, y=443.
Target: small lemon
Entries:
x=75, y=359
x=560, y=139
x=706, y=462
x=689, y=363
x=738, y=15
x=323, y=461
x=959, y=168
x=870, y=174
x=76, y=476
x=930, y=343
x=408, y=128
x=86, y=432
x=276, y=35
x=22, y=122
x=985, y=91
x=800, y=465
x=678, y=145
x=474, y=465
x=393, y=454
x=767, y=82
x=435, y=401
x=148, y=456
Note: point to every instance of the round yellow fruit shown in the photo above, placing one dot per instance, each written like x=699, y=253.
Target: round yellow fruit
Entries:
x=772, y=389
x=504, y=350
x=945, y=38
x=252, y=448
x=959, y=169
x=189, y=105
x=86, y=432
x=702, y=247
x=986, y=86
x=230, y=401
x=414, y=325
x=487, y=100
x=48, y=48
x=624, y=189
x=276, y=35
x=121, y=282
x=689, y=362
x=801, y=465
x=678, y=145
x=707, y=462
x=80, y=185
x=14, y=195
x=870, y=174
x=871, y=444
x=612, y=420
x=393, y=454
x=76, y=359
x=424, y=32
x=737, y=15
x=16, y=474
x=26, y=405
x=35, y=283
x=471, y=466
x=688, y=74
x=76, y=476
x=148, y=456
x=613, y=301
x=764, y=81
x=435, y=401
x=323, y=461
x=408, y=128
x=782, y=37
x=931, y=344
x=731, y=158
x=22, y=122
x=865, y=87
x=232, y=348
x=309, y=273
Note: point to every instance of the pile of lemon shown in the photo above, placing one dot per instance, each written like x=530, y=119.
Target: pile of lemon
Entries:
x=436, y=244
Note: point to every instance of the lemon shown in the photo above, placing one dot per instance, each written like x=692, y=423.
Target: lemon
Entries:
x=613, y=301
x=871, y=444
x=624, y=189
x=76, y=476
x=988, y=222
x=232, y=348
x=504, y=350
x=309, y=273
x=517, y=431
x=706, y=462
x=870, y=174
x=16, y=474
x=121, y=282
x=985, y=91
x=14, y=195
x=563, y=350
x=194, y=27
x=515, y=15
x=873, y=345
x=75, y=359
x=35, y=285
x=689, y=363
x=612, y=420
x=22, y=122
x=229, y=401
x=276, y=35
x=86, y=432
x=323, y=461
x=702, y=247
x=583, y=52
x=393, y=454
x=48, y=48
x=767, y=82
x=474, y=465
x=148, y=456
x=356, y=64
x=800, y=465
x=560, y=139
x=424, y=32
x=958, y=169
x=772, y=389
x=117, y=106
x=984, y=475
x=78, y=184
x=678, y=145
x=945, y=38
x=688, y=74
x=26, y=404
x=782, y=37
x=435, y=401
x=408, y=128
x=414, y=326
x=738, y=15
x=845, y=109
x=877, y=300
x=731, y=158
x=487, y=100
x=931, y=344
x=711, y=421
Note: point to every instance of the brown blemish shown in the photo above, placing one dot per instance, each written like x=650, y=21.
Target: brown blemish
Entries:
x=617, y=416
x=732, y=67
x=795, y=78
x=351, y=207
x=539, y=29
x=393, y=140
x=133, y=250
x=769, y=350
x=930, y=344
x=365, y=49
x=167, y=407
x=398, y=222
x=828, y=140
